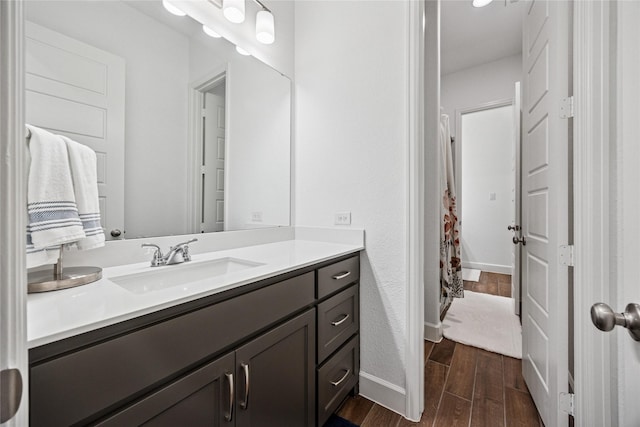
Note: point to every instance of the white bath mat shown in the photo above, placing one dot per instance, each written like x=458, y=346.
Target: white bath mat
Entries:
x=470, y=274
x=485, y=321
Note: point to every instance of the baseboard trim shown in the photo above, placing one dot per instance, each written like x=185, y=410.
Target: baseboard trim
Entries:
x=492, y=268
x=433, y=332
x=383, y=393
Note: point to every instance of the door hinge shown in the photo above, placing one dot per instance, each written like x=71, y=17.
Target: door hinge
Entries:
x=566, y=108
x=567, y=403
x=565, y=255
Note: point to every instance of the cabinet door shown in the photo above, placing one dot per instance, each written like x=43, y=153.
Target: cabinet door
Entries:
x=276, y=376
x=202, y=398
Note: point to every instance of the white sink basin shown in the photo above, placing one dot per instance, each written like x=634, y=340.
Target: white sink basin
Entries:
x=180, y=275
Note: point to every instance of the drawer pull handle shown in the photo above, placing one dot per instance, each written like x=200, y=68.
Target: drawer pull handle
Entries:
x=229, y=415
x=341, y=380
x=341, y=276
x=341, y=321
x=245, y=403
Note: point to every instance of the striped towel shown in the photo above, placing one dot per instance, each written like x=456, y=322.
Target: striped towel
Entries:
x=51, y=205
x=85, y=185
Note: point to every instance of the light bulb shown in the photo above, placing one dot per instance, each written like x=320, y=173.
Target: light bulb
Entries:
x=172, y=9
x=208, y=31
x=265, y=28
x=481, y=3
x=233, y=10
x=241, y=51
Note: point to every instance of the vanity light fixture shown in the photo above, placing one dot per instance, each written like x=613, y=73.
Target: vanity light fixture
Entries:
x=208, y=31
x=481, y=3
x=172, y=8
x=233, y=10
x=265, y=27
x=241, y=51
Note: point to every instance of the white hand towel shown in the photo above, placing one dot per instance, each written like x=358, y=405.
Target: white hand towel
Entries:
x=85, y=183
x=51, y=205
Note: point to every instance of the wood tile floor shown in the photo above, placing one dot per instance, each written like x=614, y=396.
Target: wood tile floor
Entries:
x=464, y=386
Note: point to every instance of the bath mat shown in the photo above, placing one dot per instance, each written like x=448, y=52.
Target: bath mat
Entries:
x=484, y=321
x=470, y=274
x=336, y=421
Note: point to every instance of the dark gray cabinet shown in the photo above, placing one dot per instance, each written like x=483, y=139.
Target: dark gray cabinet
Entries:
x=252, y=356
x=276, y=376
x=202, y=398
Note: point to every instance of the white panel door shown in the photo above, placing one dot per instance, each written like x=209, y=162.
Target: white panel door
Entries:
x=77, y=90
x=213, y=153
x=546, y=29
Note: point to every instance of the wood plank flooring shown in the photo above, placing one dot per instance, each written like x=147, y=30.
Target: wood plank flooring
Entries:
x=464, y=386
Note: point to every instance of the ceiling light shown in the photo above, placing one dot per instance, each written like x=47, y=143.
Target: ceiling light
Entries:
x=265, y=28
x=172, y=9
x=241, y=51
x=481, y=3
x=233, y=10
x=208, y=31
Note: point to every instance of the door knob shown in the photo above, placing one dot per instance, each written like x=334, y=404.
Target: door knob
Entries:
x=520, y=240
x=513, y=227
x=605, y=319
x=115, y=232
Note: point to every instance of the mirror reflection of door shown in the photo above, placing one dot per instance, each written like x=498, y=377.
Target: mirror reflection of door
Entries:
x=213, y=153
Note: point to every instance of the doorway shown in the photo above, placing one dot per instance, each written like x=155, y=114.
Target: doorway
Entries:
x=208, y=153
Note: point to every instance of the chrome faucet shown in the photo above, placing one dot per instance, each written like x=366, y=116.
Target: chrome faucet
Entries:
x=177, y=254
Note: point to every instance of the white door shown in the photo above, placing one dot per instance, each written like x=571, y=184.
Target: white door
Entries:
x=515, y=198
x=213, y=147
x=547, y=27
x=77, y=90
x=628, y=210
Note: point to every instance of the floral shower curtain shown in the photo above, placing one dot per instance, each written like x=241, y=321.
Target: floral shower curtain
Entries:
x=450, y=263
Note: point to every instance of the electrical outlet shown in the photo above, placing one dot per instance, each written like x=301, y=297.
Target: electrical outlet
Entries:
x=342, y=218
x=492, y=196
x=256, y=216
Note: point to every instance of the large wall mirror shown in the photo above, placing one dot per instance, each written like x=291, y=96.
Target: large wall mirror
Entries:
x=190, y=135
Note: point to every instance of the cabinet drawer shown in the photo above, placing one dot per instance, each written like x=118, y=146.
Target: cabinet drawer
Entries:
x=338, y=320
x=81, y=385
x=336, y=377
x=336, y=276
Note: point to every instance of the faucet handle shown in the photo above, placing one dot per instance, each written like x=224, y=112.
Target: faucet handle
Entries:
x=185, y=248
x=157, y=255
x=184, y=243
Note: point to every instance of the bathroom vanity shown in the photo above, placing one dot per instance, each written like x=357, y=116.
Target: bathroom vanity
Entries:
x=281, y=350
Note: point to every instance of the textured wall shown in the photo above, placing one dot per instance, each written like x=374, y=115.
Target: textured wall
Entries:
x=350, y=153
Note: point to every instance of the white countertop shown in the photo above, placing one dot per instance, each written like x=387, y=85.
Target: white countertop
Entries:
x=52, y=316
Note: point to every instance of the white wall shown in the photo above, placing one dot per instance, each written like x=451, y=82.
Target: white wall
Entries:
x=258, y=167
x=351, y=133
x=478, y=85
x=487, y=140
x=156, y=108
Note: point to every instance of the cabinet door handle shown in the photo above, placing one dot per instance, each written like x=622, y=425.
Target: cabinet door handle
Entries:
x=341, y=380
x=229, y=415
x=245, y=403
x=341, y=321
x=341, y=276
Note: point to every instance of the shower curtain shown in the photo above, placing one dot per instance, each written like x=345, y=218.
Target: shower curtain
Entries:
x=450, y=264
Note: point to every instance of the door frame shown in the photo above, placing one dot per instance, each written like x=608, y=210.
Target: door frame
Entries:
x=197, y=90
x=13, y=209
x=594, y=402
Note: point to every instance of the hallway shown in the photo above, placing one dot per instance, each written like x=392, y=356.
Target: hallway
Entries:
x=464, y=386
